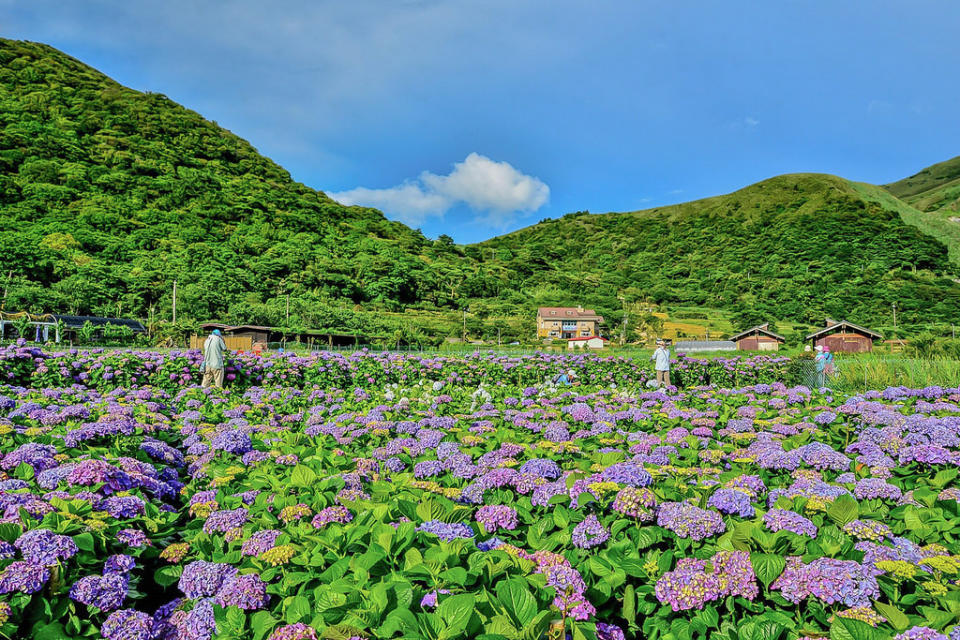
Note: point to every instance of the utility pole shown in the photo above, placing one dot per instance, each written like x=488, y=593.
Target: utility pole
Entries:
x=623, y=328
x=6, y=286
x=174, y=302
x=894, y=315
x=498, y=336
x=286, y=327
x=464, y=326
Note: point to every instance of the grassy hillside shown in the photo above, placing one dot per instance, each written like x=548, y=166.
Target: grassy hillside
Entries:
x=936, y=188
x=795, y=247
x=107, y=195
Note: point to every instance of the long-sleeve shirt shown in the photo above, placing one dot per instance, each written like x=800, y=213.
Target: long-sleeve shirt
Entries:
x=661, y=358
x=213, y=350
x=820, y=362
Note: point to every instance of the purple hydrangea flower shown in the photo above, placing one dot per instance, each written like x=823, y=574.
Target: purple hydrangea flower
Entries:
x=133, y=538
x=259, y=542
x=199, y=622
x=225, y=520
x=25, y=577
x=119, y=563
x=829, y=580
x=44, y=547
x=247, y=592
x=327, y=515
x=447, y=531
x=201, y=578
x=732, y=502
x=497, y=516
x=922, y=633
x=589, y=533
x=689, y=521
x=296, y=631
x=124, y=507
x=786, y=520
x=107, y=593
x=127, y=624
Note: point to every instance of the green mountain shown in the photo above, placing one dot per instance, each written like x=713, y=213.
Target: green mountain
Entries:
x=796, y=247
x=936, y=188
x=109, y=195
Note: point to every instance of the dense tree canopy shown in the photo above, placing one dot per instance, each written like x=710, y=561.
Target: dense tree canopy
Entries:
x=108, y=195
x=796, y=247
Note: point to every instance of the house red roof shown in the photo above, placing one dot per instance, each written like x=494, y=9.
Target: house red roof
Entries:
x=569, y=313
x=588, y=338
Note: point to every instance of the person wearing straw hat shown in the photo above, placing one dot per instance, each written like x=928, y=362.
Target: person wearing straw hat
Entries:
x=661, y=363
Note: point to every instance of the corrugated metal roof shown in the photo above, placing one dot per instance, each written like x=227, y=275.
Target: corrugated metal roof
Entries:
x=840, y=325
x=705, y=345
x=762, y=328
x=75, y=322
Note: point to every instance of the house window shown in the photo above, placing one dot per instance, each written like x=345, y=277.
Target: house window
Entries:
x=554, y=333
x=553, y=313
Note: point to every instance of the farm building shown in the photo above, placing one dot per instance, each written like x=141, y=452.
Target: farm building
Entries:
x=567, y=322
x=694, y=346
x=758, y=338
x=243, y=337
x=73, y=324
x=43, y=328
x=239, y=337
x=844, y=337
x=590, y=342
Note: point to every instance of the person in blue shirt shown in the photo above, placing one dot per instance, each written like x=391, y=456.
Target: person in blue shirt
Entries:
x=824, y=362
x=661, y=363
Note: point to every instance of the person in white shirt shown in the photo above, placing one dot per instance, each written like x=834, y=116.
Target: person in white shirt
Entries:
x=661, y=363
x=213, y=360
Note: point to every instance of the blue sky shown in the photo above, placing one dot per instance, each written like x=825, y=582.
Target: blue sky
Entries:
x=473, y=118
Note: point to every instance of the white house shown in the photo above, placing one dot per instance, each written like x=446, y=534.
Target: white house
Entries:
x=589, y=342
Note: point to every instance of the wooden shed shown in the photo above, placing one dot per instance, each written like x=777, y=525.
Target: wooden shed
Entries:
x=844, y=337
x=758, y=338
x=237, y=338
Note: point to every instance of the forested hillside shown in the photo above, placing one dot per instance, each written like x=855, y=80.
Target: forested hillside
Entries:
x=795, y=247
x=108, y=195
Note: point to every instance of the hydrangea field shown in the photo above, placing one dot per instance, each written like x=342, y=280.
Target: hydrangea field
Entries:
x=386, y=496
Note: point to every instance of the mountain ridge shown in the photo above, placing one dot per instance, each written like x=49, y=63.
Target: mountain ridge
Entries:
x=114, y=194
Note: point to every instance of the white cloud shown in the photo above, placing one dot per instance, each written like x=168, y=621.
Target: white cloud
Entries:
x=745, y=123
x=407, y=202
x=495, y=190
